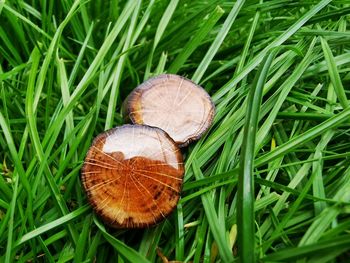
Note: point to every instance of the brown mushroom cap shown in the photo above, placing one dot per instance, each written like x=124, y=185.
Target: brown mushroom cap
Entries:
x=173, y=103
x=133, y=175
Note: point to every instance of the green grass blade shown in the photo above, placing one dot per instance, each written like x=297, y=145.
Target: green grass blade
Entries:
x=127, y=252
x=56, y=223
x=216, y=230
x=180, y=242
x=286, y=87
x=163, y=23
x=196, y=40
x=245, y=206
x=303, y=138
x=334, y=74
x=9, y=246
x=277, y=42
x=197, y=76
x=294, y=253
x=33, y=131
x=81, y=244
x=45, y=66
x=119, y=70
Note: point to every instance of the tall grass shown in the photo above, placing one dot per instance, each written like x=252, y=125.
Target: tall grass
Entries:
x=269, y=182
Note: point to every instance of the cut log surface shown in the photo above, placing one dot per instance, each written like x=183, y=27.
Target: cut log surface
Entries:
x=133, y=176
x=173, y=103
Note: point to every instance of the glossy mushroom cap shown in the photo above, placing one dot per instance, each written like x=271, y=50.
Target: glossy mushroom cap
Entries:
x=173, y=103
x=133, y=176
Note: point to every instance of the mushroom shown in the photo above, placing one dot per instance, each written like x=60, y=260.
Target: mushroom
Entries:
x=173, y=103
x=133, y=175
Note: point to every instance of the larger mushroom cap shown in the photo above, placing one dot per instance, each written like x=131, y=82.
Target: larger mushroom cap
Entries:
x=173, y=103
x=133, y=175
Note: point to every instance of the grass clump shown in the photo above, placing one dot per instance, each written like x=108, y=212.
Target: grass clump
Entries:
x=282, y=188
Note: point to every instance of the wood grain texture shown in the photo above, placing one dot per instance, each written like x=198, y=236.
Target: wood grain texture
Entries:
x=133, y=176
x=173, y=103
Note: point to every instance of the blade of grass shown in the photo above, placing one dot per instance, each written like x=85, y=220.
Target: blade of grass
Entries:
x=9, y=246
x=334, y=74
x=81, y=244
x=219, y=236
x=163, y=23
x=119, y=69
x=285, y=88
x=305, y=137
x=245, y=206
x=198, y=74
x=56, y=223
x=323, y=221
x=196, y=40
x=180, y=242
x=33, y=131
x=53, y=45
x=300, y=252
x=127, y=252
x=53, y=131
x=277, y=42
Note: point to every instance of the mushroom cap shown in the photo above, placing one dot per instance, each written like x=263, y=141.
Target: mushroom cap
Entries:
x=173, y=103
x=133, y=175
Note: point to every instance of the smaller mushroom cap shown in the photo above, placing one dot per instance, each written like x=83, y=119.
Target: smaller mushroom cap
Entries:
x=133, y=176
x=173, y=103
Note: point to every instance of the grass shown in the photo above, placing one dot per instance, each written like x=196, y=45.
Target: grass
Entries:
x=269, y=182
